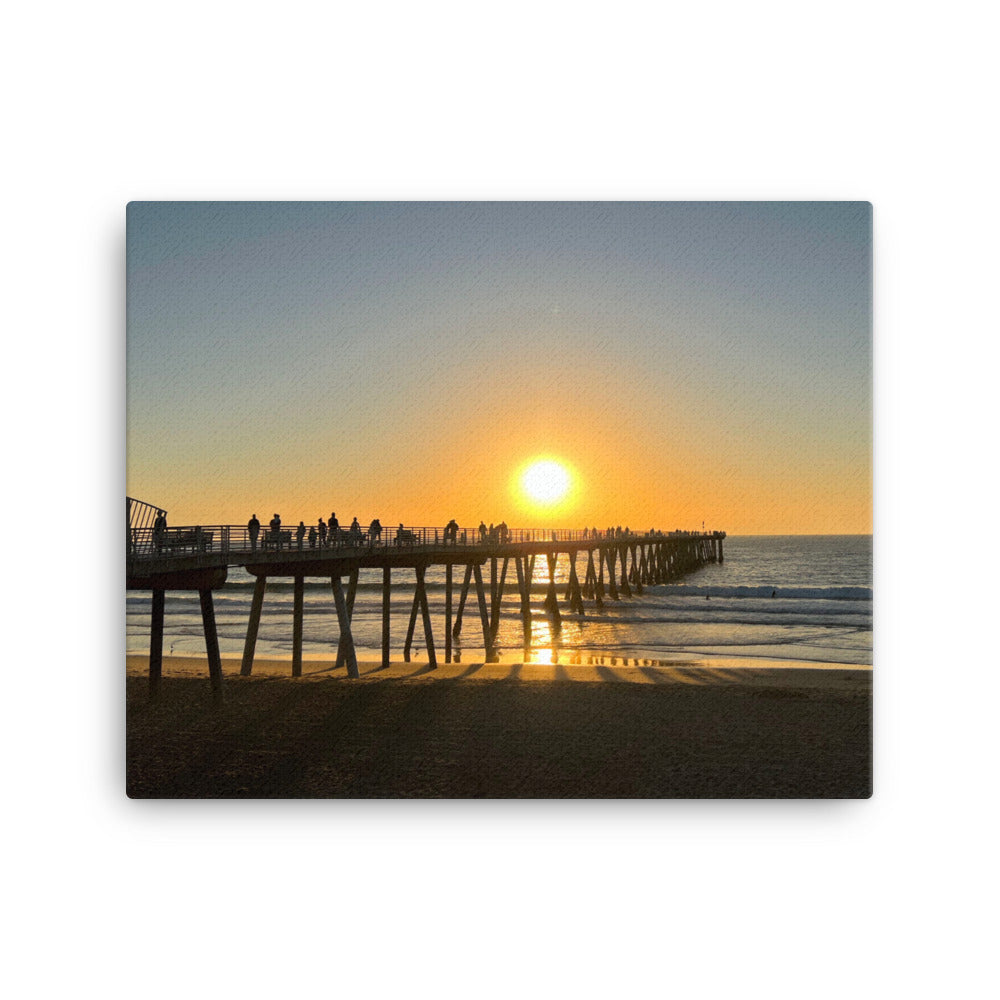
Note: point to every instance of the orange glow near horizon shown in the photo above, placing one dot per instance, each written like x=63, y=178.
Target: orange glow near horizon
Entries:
x=609, y=486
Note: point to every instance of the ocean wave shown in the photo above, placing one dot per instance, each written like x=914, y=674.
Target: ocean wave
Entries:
x=784, y=593
x=404, y=588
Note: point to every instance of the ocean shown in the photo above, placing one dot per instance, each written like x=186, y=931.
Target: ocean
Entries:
x=795, y=598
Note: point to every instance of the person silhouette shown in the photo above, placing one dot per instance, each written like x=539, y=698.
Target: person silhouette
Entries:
x=253, y=530
x=159, y=530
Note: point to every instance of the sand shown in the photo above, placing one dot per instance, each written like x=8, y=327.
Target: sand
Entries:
x=612, y=729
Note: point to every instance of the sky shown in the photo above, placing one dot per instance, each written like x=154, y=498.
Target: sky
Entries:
x=686, y=363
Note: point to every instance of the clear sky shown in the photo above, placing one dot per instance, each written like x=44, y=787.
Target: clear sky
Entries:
x=686, y=362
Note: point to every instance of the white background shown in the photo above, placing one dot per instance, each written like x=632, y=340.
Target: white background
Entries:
x=111, y=102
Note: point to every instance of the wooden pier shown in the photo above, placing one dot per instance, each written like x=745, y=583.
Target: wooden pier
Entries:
x=618, y=565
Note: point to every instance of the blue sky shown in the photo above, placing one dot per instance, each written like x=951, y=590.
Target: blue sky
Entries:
x=683, y=357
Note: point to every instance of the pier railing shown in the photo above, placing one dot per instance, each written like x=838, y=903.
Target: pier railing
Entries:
x=146, y=542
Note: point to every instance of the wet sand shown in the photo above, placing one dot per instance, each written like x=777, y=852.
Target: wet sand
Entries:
x=685, y=729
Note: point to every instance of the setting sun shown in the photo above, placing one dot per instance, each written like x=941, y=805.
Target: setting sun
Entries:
x=546, y=481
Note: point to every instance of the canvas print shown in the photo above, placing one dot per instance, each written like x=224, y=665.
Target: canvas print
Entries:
x=499, y=500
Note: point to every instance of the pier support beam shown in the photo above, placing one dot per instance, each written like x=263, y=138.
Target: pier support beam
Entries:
x=447, y=612
x=524, y=589
x=202, y=579
x=253, y=625
x=623, y=552
x=575, y=597
x=411, y=627
x=612, y=581
x=551, y=600
x=644, y=575
x=156, y=643
x=491, y=656
x=386, y=605
x=352, y=593
x=590, y=577
x=345, y=628
x=498, y=599
x=426, y=613
x=599, y=586
x=297, y=611
x=211, y=644
x=456, y=631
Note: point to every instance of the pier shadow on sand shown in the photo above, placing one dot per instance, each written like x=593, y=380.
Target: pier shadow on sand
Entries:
x=461, y=737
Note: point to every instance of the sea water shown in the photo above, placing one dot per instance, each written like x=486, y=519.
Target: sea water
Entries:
x=793, y=597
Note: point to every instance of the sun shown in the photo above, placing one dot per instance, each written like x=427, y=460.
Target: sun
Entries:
x=546, y=488
x=546, y=482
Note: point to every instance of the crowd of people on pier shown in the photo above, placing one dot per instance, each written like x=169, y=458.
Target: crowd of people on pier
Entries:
x=321, y=535
x=326, y=534
x=495, y=534
x=329, y=534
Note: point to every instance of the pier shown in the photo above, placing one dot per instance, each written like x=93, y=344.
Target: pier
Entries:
x=478, y=567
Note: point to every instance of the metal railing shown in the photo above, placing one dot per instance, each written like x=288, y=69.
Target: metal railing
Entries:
x=146, y=542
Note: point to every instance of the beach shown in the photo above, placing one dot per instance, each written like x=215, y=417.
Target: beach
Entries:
x=610, y=727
